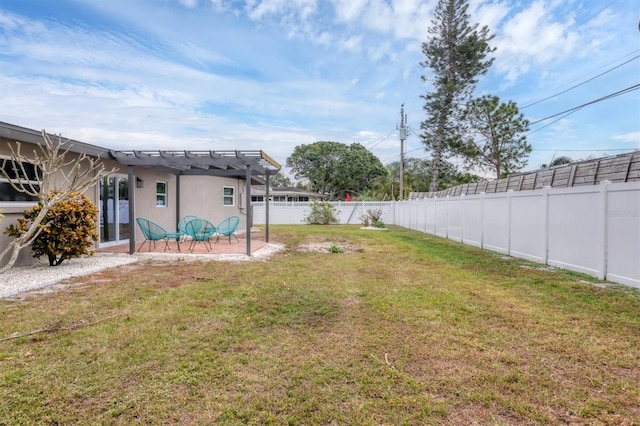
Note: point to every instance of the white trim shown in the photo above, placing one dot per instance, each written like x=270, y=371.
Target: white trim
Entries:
x=233, y=196
x=166, y=193
x=5, y=181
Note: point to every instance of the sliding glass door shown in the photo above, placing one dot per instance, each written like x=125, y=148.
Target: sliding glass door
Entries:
x=114, y=210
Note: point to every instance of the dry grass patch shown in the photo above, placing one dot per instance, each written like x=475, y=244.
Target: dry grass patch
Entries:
x=407, y=329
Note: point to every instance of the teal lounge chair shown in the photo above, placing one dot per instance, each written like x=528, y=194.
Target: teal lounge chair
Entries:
x=182, y=224
x=154, y=232
x=200, y=231
x=228, y=227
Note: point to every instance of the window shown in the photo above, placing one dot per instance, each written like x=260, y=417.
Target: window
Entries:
x=25, y=172
x=161, y=194
x=257, y=198
x=228, y=198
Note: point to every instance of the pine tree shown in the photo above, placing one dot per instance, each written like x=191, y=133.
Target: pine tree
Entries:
x=496, y=140
x=456, y=54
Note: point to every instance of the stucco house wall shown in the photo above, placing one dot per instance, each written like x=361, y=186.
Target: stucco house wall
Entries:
x=201, y=195
x=145, y=200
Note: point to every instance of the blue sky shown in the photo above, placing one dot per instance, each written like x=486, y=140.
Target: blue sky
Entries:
x=274, y=74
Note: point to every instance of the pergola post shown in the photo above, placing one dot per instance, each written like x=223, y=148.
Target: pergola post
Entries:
x=248, y=204
x=266, y=205
x=177, y=200
x=132, y=207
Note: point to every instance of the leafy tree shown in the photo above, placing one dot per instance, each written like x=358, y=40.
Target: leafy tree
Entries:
x=335, y=168
x=417, y=178
x=384, y=187
x=497, y=141
x=456, y=54
x=68, y=229
x=558, y=161
x=418, y=175
x=279, y=180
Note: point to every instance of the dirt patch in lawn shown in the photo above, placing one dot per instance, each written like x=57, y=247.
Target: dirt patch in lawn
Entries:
x=329, y=247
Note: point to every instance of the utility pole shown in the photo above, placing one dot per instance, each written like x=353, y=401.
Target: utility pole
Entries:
x=402, y=128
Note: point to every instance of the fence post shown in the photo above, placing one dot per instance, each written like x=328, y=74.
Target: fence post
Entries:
x=393, y=212
x=545, y=203
x=435, y=215
x=509, y=221
x=462, y=218
x=291, y=211
x=446, y=209
x=482, y=194
x=602, y=231
x=426, y=205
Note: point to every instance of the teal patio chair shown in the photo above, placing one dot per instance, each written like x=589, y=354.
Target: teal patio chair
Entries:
x=182, y=224
x=228, y=227
x=154, y=232
x=200, y=231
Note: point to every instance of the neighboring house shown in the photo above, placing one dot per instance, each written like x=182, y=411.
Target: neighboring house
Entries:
x=159, y=185
x=288, y=193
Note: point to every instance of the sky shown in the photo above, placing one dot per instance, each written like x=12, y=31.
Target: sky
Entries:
x=275, y=74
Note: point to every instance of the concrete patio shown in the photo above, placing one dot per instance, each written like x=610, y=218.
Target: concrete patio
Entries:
x=222, y=247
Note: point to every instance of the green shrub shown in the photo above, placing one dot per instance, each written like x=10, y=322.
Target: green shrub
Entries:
x=335, y=249
x=67, y=231
x=322, y=213
x=372, y=217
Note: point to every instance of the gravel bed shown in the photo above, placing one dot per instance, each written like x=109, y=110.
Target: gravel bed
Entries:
x=40, y=274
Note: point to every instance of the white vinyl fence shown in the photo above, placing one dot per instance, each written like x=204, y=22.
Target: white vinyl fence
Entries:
x=294, y=213
x=590, y=229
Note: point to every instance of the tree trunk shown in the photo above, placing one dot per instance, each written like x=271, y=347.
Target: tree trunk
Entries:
x=436, y=165
x=14, y=247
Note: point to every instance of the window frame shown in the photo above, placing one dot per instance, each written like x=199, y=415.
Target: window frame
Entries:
x=226, y=196
x=4, y=181
x=161, y=195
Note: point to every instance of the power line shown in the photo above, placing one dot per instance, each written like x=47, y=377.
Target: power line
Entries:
x=379, y=140
x=586, y=150
x=580, y=84
x=604, y=98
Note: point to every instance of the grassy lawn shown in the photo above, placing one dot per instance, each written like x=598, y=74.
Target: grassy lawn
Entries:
x=405, y=329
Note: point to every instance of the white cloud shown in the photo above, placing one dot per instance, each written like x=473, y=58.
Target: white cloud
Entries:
x=403, y=19
x=234, y=81
x=490, y=14
x=349, y=10
x=324, y=38
x=530, y=38
x=633, y=138
x=259, y=9
x=378, y=16
x=188, y=3
x=378, y=52
x=351, y=44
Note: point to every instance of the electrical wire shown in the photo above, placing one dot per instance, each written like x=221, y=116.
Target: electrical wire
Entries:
x=570, y=111
x=379, y=140
x=574, y=109
x=580, y=84
x=586, y=150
